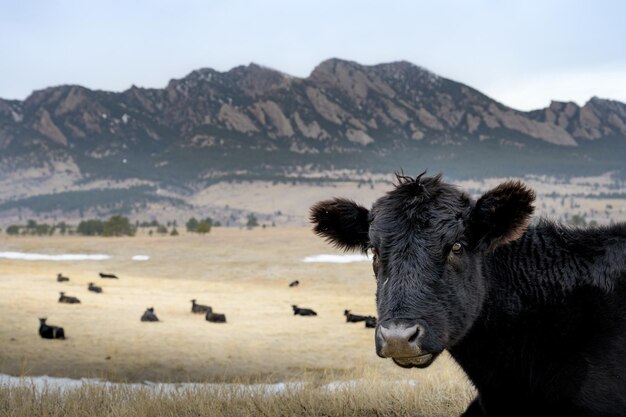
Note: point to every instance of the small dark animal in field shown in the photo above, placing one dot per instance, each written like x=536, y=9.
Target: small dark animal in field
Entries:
x=149, y=315
x=103, y=275
x=50, y=332
x=61, y=278
x=68, y=299
x=94, y=288
x=294, y=283
x=215, y=317
x=353, y=318
x=535, y=314
x=297, y=311
x=199, y=308
x=370, y=322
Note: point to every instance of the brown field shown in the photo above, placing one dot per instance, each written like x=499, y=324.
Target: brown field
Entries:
x=241, y=273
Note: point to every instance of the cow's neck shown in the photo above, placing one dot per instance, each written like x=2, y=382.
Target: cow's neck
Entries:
x=550, y=262
x=549, y=279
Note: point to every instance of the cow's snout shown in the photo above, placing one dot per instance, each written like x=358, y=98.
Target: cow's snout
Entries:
x=398, y=339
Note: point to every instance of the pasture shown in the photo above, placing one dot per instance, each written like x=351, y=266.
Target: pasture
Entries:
x=242, y=273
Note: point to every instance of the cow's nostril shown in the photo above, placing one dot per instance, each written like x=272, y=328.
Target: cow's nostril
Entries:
x=413, y=337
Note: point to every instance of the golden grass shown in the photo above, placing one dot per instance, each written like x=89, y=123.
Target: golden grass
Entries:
x=244, y=274
x=373, y=396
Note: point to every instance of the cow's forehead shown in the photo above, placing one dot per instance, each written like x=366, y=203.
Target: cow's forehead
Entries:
x=436, y=207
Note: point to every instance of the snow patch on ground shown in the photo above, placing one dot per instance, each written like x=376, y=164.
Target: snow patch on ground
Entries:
x=60, y=257
x=140, y=258
x=337, y=259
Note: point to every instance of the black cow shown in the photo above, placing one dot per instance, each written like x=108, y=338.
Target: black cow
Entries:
x=103, y=275
x=149, y=315
x=94, y=288
x=535, y=315
x=50, y=332
x=297, y=311
x=353, y=318
x=370, y=322
x=61, y=278
x=199, y=308
x=68, y=299
x=215, y=317
x=294, y=283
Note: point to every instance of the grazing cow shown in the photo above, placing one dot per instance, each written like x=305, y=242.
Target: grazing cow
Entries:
x=68, y=299
x=370, y=322
x=294, y=283
x=535, y=315
x=297, y=311
x=353, y=318
x=103, y=275
x=199, y=308
x=61, y=278
x=215, y=317
x=50, y=332
x=149, y=315
x=94, y=288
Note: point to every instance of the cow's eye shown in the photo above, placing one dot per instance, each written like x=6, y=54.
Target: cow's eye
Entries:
x=457, y=248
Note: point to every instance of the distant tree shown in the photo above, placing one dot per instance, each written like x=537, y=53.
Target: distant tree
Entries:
x=252, y=221
x=31, y=224
x=174, y=232
x=217, y=224
x=577, y=220
x=150, y=233
x=118, y=226
x=192, y=224
x=161, y=230
x=203, y=228
x=13, y=230
x=209, y=221
x=90, y=228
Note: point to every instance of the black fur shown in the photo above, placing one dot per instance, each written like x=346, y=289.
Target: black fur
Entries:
x=68, y=299
x=294, y=283
x=535, y=315
x=353, y=318
x=215, y=317
x=149, y=315
x=297, y=311
x=94, y=288
x=61, y=278
x=105, y=275
x=199, y=308
x=47, y=331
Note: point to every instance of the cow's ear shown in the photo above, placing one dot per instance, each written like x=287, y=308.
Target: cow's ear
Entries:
x=342, y=222
x=501, y=215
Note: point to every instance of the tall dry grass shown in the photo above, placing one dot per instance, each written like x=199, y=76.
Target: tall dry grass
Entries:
x=373, y=396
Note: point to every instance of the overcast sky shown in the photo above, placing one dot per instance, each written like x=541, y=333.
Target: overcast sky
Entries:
x=523, y=53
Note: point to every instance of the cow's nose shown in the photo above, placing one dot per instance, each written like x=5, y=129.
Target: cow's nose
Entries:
x=398, y=340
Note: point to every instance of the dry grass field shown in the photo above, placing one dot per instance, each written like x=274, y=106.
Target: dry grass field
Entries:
x=244, y=274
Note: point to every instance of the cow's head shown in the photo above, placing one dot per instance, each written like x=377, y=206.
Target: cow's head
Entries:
x=427, y=240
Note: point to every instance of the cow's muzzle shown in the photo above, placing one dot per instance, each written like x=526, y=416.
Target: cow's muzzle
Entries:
x=400, y=340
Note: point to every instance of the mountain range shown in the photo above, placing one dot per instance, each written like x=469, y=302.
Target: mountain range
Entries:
x=253, y=122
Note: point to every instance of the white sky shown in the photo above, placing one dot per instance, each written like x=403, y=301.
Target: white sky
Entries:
x=522, y=53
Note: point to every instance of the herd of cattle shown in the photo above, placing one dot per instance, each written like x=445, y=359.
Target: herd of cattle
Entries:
x=47, y=331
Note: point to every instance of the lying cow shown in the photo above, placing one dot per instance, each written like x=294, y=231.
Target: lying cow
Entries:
x=149, y=315
x=535, y=315
x=103, y=275
x=370, y=322
x=353, y=318
x=215, y=317
x=68, y=299
x=50, y=332
x=294, y=283
x=94, y=288
x=199, y=308
x=297, y=311
x=61, y=278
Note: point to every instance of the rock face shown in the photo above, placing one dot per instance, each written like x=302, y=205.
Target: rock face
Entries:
x=341, y=108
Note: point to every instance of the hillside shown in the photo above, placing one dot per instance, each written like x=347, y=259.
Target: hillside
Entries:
x=344, y=120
